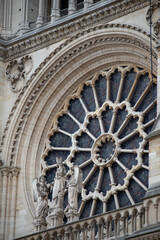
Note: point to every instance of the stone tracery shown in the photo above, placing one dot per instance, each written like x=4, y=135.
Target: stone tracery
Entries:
x=102, y=128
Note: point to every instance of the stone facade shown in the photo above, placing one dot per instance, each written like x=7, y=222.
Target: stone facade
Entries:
x=50, y=52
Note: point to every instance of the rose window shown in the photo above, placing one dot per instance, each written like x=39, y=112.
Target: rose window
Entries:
x=101, y=128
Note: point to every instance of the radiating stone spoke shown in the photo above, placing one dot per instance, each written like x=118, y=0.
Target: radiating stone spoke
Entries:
x=93, y=207
x=112, y=186
x=113, y=121
x=145, y=167
x=142, y=96
x=90, y=175
x=132, y=134
x=132, y=89
x=140, y=183
x=60, y=148
x=129, y=196
x=51, y=166
x=111, y=175
x=74, y=119
x=108, y=89
x=121, y=128
x=83, y=105
x=121, y=164
x=97, y=107
x=104, y=207
x=81, y=207
x=64, y=132
x=128, y=150
x=84, y=149
x=86, y=163
x=149, y=107
x=149, y=123
x=120, y=89
x=145, y=151
x=101, y=124
x=90, y=134
x=95, y=96
x=100, y=177
x=116, y=200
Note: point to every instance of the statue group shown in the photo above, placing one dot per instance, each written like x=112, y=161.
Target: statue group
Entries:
x=52, y=213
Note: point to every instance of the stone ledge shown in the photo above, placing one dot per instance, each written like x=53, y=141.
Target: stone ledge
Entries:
x=146, y=232
x=155, y=129
x=66, y=27
x=152, y=192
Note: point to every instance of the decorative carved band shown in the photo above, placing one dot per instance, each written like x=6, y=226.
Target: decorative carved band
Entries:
x=53, y=35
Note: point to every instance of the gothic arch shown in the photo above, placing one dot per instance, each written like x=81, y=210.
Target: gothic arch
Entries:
x=76, y=61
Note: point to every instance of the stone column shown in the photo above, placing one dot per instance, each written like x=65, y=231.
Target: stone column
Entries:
x=154, y=145
x=154, y=160
x=24, y=25
x=8, y=206
x=72, y=6
x=15, y=171
x=93, y=231
x=40, y=18
x=4, y=172
x=55, y=14
x=158, y=79
x=87, y=3
x=66, y=235
x=139, y=221
x=7, y=18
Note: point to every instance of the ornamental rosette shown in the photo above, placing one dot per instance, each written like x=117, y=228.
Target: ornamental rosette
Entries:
x=102, y=128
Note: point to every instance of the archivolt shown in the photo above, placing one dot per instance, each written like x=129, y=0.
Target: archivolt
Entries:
x=74, y=62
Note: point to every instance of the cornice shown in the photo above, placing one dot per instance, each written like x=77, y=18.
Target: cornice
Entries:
x=62, y=61
x=67, y=27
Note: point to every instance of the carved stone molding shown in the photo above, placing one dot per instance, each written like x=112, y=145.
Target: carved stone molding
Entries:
x=16, y=72
x=155, y=16
x=56, y=33
x=5, y=170
x=75, y=51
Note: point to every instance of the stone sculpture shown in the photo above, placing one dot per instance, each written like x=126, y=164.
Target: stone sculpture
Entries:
x=40, y=193
x=58, y=186
x=56, y=212
x=74, y=187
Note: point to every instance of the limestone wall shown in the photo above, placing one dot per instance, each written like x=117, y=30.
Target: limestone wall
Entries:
x=55, y=71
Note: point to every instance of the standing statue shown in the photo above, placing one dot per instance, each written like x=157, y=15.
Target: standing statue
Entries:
x=40, y=193
x=74, y=187
x=58, y=187
x=56, y=213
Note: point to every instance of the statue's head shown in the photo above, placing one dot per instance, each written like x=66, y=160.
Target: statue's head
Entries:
x=42, y=178
x=59, y=160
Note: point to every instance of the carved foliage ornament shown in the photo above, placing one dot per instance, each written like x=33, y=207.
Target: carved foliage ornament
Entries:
x=102, y=129
x=16, y=72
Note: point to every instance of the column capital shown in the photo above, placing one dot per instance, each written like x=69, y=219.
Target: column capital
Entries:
x=5, y=170
x=15, y=171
